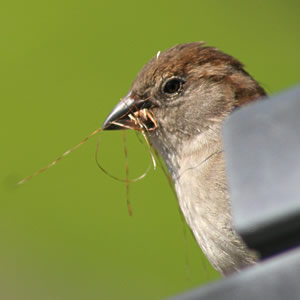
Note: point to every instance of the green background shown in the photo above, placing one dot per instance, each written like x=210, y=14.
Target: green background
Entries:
x=66, y=234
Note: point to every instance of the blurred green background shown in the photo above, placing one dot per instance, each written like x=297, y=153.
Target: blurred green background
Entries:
x=66, y=234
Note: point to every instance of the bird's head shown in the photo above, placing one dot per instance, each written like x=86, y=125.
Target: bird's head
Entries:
x=182, y=92
x=185, y=88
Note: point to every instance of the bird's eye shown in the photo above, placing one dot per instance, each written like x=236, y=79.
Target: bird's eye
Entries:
x=173, y=86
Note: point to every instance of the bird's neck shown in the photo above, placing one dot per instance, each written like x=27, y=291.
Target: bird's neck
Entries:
x=198, y=170
x=188, y=155
x=201, y=185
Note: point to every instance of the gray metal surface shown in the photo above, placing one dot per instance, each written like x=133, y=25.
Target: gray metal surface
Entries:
x=262, y=151
x=273, y=279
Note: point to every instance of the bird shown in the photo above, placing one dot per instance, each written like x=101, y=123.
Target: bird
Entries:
x=181, y=97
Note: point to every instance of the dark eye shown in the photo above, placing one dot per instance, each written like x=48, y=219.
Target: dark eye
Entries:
x=173, y=86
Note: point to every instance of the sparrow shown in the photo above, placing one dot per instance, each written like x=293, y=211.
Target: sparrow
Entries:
x=180, y=99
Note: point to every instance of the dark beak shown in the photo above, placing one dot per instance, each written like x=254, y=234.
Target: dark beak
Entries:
x=119, y=117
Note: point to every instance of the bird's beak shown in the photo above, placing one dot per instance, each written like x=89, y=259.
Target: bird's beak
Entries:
x=122, y=116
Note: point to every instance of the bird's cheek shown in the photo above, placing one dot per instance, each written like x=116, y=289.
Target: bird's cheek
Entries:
x=159, y=115
x=164, y=118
